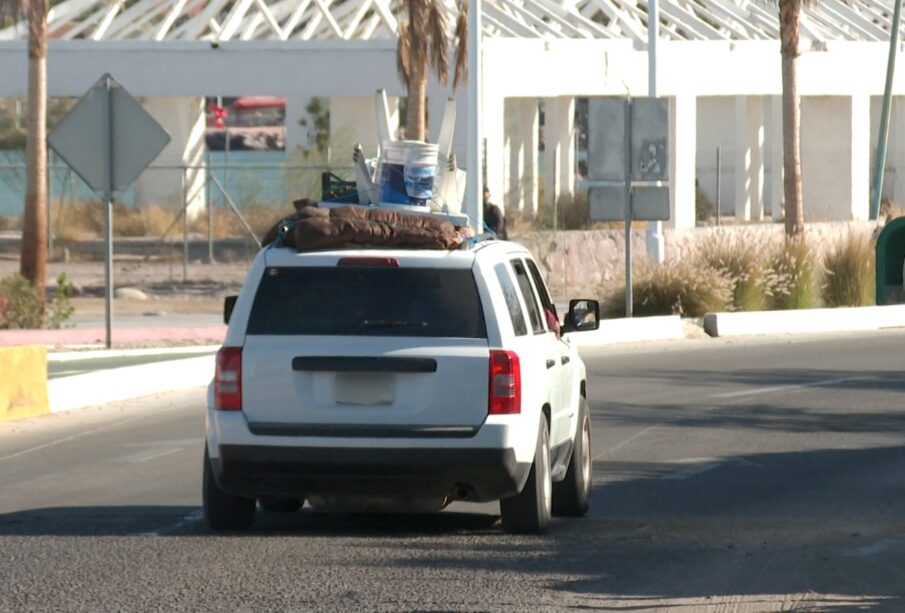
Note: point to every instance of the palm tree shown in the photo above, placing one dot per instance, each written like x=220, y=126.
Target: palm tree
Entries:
x=423, y=45
x=33, y=261
x=789, y=32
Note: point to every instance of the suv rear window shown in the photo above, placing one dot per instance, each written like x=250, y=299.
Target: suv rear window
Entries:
x=367, y=302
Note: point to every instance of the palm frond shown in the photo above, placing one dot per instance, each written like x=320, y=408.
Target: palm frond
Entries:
x=13, y=10
x=404, y=53
x=461, y=72
x=439, y=41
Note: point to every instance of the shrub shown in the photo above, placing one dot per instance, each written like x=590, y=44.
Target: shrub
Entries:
x=850, y=275
x=20, y=304
x=22, y=307
x=685, y=287
x=791, y=279
x=740, y=260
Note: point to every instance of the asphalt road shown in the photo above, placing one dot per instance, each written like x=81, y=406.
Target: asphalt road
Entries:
x=729, y=476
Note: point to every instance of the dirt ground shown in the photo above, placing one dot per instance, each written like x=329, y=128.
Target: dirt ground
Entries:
x=160, y=282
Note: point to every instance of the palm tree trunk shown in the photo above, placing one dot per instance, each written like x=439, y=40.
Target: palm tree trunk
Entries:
x=417, y=94
x=791, y=117
x=33, y=263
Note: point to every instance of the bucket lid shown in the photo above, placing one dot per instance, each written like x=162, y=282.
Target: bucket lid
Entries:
x=412, y=146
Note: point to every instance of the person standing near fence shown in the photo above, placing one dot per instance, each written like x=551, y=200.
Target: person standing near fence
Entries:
x=493, y=217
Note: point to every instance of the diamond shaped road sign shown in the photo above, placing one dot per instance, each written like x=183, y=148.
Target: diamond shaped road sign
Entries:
x=108, y=138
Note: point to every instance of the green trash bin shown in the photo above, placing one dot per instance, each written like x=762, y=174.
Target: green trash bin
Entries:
x=890, y=260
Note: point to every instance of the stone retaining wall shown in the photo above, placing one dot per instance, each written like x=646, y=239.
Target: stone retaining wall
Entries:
x=577, y=261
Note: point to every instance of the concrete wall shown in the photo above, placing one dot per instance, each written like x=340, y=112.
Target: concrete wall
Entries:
x=583, y=262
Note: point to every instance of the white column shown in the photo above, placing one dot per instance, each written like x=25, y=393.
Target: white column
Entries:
x=436, y=106
x=859, y=158
x=493, y=133
x=183, y=118
x=520, y=170
x=682, y=148
x=512, y=170
x=530, y=128
x=353, y=120
x=559, y=148
x=749, y=158
x=774, y=156
x=894, y=180
x=835, y=157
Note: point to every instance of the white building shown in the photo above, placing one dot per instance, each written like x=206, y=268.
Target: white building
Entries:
x=719, y=65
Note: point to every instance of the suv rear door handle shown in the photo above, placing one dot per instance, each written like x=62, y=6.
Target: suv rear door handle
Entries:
x=551, y=364
x=564, y=359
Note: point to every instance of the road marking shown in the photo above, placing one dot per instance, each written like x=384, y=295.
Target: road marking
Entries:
x=786, y=388
x=702, y=465
x=176, y=442
x=699, y=465
x=74, y=437
x=878, y=547
x=149, y=454
x=193, y=517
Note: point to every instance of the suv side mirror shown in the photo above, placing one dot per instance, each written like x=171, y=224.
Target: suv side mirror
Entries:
x=583, y=315
x=229, y=303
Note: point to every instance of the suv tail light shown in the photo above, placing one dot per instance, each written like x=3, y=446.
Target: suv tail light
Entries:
x=228, y=379
x=505, y=383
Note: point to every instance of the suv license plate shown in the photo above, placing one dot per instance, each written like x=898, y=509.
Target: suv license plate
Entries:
x=359, y=388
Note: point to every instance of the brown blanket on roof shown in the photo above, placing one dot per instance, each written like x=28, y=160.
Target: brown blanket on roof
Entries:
x=360, y=227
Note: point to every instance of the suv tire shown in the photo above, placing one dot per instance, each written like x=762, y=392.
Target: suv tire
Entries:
x=280, y=505
x=223, y=511
x=529, y=511
x=572, y=495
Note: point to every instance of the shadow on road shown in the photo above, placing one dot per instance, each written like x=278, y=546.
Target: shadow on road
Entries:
x=758, y=378
x=187, y=521
x=762, y=525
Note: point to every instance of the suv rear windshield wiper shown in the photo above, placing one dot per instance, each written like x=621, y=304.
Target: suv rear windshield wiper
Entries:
x=393, y=323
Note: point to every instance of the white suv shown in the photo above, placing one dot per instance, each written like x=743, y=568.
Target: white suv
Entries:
x=398, y=380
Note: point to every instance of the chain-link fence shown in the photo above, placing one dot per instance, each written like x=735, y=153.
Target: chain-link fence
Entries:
x=212, y=212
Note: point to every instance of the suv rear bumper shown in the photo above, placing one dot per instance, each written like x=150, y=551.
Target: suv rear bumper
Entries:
x=475, y=474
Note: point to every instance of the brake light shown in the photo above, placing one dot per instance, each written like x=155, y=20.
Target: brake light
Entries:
x=368, y=262
x=505, y=384
x=228, y=379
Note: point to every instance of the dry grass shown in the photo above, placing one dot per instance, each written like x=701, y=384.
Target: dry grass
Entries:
x=9, y=223
x=680, y=287
x=740, y=259
x=850, y=273
x=85, y=220
x=792, y=276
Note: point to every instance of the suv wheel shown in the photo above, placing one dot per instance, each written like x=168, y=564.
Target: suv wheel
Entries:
x=529, y=511
x=572, y=496
x=281, y=505
x=223, y=511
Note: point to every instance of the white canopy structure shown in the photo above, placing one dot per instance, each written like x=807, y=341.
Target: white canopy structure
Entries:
x=225, y=20
x=718, y=64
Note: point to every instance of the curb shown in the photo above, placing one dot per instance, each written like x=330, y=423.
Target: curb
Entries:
x=631, y=330
x=128, y=382
x=23, y=383
x=845, y=319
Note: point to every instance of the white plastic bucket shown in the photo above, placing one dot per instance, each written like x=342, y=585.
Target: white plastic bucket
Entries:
x=407, y=172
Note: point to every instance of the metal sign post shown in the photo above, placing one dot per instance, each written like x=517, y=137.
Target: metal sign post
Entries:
x=108, y=217
x=108, y=139
x=628, y=166
x=629, y=214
